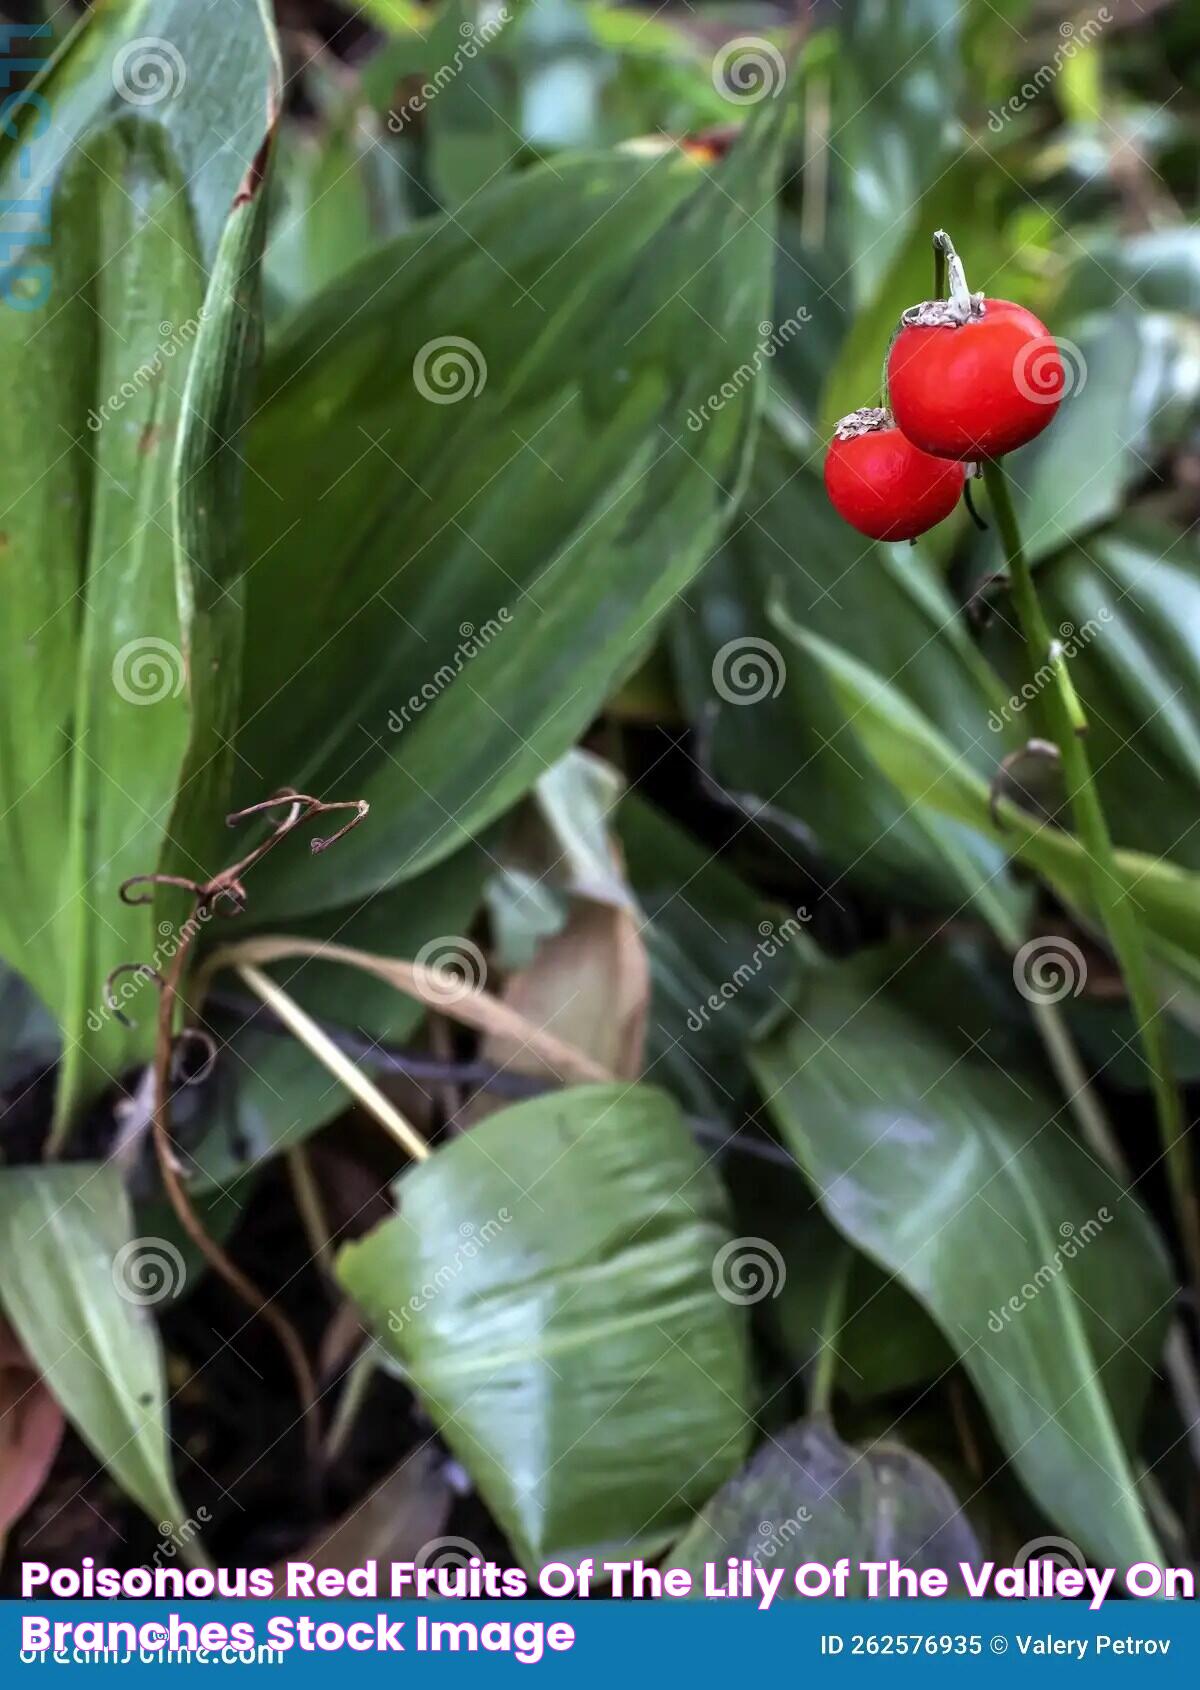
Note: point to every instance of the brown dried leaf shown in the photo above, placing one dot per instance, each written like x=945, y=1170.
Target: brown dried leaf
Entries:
x=401, y=1518
x=31, y=1429
x=588, y=986
x=437, y=988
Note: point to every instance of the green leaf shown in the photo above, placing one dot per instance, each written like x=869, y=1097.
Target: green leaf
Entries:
x=549, y=1286
x=919, y=761
x=452, y=657
x=404, y=16
x=1126, y=605
x=775, y=736
x=1134, y=386
x=338, y=195
x=118, y=647
x=957, y=1173
x=469, y=110
x=884, y=1342
x=76, y=1286
x=1159, y=270
x=808, y=1497
x=896, y=82
x=721, y=957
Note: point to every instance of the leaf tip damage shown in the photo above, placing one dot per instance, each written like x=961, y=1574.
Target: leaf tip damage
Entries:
x=256, y=175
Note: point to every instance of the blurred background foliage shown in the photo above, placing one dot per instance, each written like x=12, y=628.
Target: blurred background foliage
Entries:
x=721, y=718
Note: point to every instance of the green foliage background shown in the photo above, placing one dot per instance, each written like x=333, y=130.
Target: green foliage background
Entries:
x=385, y=357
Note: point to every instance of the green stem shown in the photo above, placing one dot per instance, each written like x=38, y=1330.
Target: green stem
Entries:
x=820, y=1394
x=1069, y=725
x=354, y=1395
x=310, y=1207
x=1076, y=1082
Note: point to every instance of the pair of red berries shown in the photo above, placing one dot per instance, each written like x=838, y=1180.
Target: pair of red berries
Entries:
x=969, y=379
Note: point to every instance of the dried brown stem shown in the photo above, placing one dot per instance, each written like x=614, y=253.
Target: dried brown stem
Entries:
x=226, y=885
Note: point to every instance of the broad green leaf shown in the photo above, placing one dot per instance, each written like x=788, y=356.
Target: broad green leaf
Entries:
x=809, y=288
x=1126, y=605
x=78, y=1286
x=960, y=1175
x=896, y=82
x=884, y=1342
x=549, y=1285
x=479, y=575
x=808, y=1497
x=118, y=647
x=1133, y=389
x=772, y=727
x=921, y=763
x=721, y=958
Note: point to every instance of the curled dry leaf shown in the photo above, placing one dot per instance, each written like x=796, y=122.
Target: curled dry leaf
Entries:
x=589, y=986
x=437, y=988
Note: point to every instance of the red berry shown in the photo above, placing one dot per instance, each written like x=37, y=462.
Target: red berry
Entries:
x=882, y=484
x=976, y=384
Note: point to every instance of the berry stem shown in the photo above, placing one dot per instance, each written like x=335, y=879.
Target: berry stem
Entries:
x=1069, y=725
x=949, y=277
